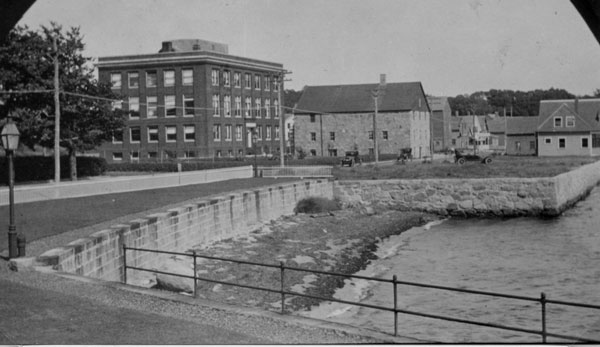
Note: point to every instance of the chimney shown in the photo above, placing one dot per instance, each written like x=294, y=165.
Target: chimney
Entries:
x=382, y=82
x=577, y=105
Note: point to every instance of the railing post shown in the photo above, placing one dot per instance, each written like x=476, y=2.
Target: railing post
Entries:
x=125, y=264
x=543, y=302
x=394, y=280
x=282, y=267
x=195, y=277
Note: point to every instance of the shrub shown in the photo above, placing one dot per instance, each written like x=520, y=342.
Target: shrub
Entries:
x=39, y=168
x=316, y=205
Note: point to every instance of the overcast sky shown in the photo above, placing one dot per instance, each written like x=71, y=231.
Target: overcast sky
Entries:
x=452, y=46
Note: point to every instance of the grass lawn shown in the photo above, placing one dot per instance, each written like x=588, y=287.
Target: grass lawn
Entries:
x=502, y=166
x=40, y=219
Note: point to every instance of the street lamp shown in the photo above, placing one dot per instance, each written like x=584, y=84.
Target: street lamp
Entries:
x=10, y=142
x=254, y=140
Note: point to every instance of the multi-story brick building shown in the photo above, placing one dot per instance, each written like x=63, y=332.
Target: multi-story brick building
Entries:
x=330, y=120
x=193, y=100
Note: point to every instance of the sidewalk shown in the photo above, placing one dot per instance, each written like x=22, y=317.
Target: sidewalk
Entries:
x=48, y=308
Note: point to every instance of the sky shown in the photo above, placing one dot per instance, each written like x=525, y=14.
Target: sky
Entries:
x=452, y=46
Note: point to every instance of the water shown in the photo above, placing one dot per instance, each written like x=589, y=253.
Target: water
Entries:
x=522, y=256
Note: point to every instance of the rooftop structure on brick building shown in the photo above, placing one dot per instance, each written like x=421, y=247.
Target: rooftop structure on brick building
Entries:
x=193, y=99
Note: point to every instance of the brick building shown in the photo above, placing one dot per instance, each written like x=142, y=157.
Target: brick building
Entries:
x=193, y=99
x=330, y=120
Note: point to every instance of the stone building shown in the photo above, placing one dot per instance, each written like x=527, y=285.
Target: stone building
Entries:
x=193, y=99
x=330, y=120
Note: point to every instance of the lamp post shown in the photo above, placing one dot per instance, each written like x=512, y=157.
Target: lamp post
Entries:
x=10, y=142
x=254, y=140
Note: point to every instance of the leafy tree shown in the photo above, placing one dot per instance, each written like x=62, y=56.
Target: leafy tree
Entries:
x=87, y=116
x=291, y=97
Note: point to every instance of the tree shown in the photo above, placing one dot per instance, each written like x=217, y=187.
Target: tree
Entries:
x=291, y=97
x=27, y=66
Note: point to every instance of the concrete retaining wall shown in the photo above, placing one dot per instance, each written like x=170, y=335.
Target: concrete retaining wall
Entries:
x=476, y=197
x=212, y=219
x=97, y=186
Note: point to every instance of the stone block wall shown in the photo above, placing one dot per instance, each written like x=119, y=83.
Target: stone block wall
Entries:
x=177, y=230
x=505, y=197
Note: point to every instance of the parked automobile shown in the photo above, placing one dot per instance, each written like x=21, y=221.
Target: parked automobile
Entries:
x=351, y=158
x=405, y=154
x=461, y=158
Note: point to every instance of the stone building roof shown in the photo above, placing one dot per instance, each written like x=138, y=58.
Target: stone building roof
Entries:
x=359, y=98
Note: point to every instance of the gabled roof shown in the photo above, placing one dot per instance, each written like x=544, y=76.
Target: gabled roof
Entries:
x=521, y=125
x=586, y=113
x=359, y=98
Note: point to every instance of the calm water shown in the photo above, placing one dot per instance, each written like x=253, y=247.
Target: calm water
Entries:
x=523, y=256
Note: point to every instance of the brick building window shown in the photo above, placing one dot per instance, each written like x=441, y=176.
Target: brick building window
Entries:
x=152, y=155
x=153, y=133
x=169, y=76
x=312, y=118
x=115, y=80
x=151, y=79
x=371, y=135
x=187, y=77
x=276, y=105
x=117, y=156
x=277, y=132
x=117, y=136
x=133, y=79
x=259, y=132
x=216, y=105
x=385, y=135
x=248, y=106
x=170, y=110
x=313, y=136
x=267, y=108
x=267, y=82
x=135, y=135
x=189, y=133
x=247, y=81
x=228, y=132
x=134, y=107
x=227, y=105
x=237, y=79
x=268, y=132
x=151, y=106
x=171, y=133
x=238, y=106
x=188, y=105
x=238, y=132
x=257, y=107
x=332, y=135
x=217, y=132
x=214, y=77
x=134, y=155
x=257, y=79
x=226, y=78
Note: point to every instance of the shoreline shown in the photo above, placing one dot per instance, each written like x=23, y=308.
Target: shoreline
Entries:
x=344, y=242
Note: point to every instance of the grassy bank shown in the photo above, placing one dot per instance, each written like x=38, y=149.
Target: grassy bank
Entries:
x=502, y=166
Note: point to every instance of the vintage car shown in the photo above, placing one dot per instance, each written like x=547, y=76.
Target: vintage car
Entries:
x=405, y=154
x=351, y=158
x=461, y=158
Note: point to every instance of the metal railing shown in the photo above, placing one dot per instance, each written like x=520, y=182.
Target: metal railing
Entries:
x=542, y=300
x=295, y=171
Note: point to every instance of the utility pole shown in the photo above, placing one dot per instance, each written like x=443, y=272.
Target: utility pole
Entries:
x=56, y=115
x=279, y=81
x=376, y=93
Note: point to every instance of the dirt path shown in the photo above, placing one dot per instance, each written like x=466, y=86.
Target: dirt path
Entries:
x=343, y=242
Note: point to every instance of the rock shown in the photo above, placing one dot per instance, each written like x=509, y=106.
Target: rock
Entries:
x=176, y=283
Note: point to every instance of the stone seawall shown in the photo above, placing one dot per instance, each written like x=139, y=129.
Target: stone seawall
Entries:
x=177, y=230
x=505, y=197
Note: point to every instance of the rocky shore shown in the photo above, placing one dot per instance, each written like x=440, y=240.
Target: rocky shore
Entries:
x=342, y=241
